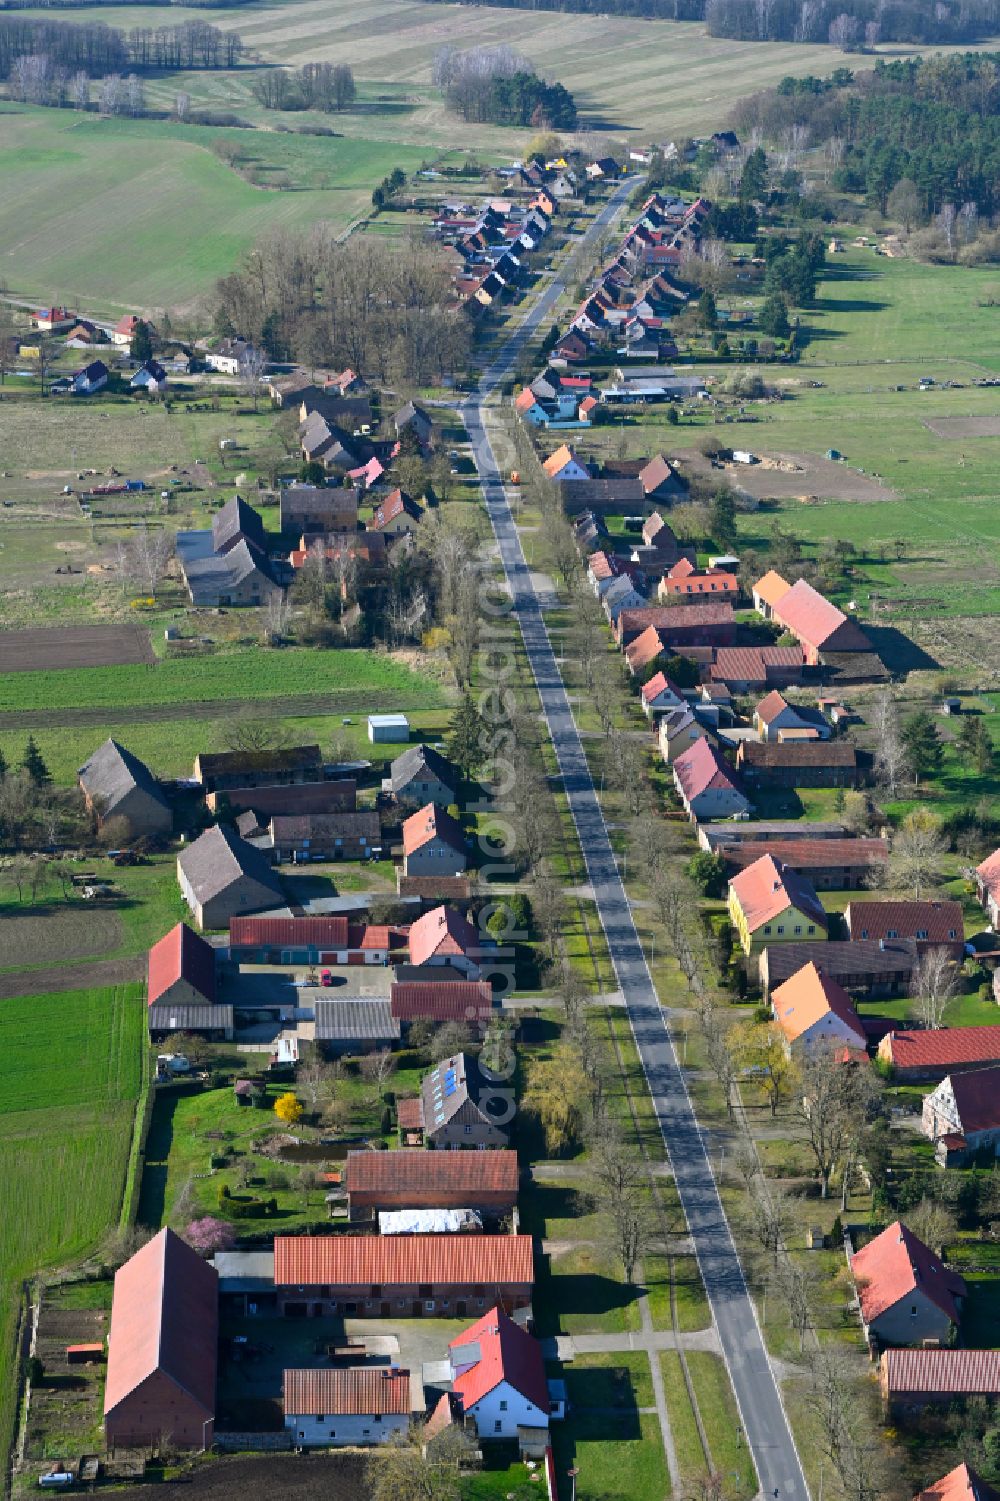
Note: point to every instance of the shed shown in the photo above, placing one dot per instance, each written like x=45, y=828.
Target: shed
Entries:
x=388, y=728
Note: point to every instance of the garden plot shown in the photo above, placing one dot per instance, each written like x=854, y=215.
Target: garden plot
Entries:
x=984, y=426
x=74, y=646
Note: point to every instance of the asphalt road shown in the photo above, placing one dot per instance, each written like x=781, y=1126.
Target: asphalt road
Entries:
x=765, y=1423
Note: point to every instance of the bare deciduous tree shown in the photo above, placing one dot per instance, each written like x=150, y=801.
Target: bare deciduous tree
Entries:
x=935, y=983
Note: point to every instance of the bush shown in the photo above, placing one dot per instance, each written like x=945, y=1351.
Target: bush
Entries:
x=708, y=872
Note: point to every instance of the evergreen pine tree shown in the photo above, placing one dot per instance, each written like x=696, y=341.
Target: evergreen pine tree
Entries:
x=468, y=738
x=34, y=764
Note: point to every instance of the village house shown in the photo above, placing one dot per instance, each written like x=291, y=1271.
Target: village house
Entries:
x=162, y=1349
x=830, y=864
x=150, y=376
x=563, y=465
x=933, y=924
x=125, y=331
x=678, y=730
x=51, y=320
x=398, y=515
x=812, y=1011
x=934, y=1053
x=181, y=990
x=309, y=511
x=118, y=787
x=452, y=1115
x=498, y=1382
x=622, y=594
x=412, y=419
x=960, y=1484
x=659, y=695
x=771, y=903
x=912, y=1379
x=683, y=582
x=962, y=1115
x=239, y=578
x=220, y=875
x=443, y=937
x=285, y=798
x=645, y=651
x=408, y=1179
x=706, y=784
x=433, y=843
x=863, y=969
x=218, y=771
x=798, y=763
x=422, y=775
x=775, y=718
x=300, y=837
x=230, y=355
x=84, y=334
x=334, y=1409
x=338, y=549
x=444, y=1000
x=747, y=669
x=91, y=379
x=401, y=1276
x=906, y=1294
x=988, y=887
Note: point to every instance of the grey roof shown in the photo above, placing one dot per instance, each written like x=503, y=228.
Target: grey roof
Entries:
x=760, y=831
x=190, y=1018
x=112, y=773
x=411, y=413
x=323, y=827
x=322, y=501
x=414, y=760
x=245, y=1271
x=219, y=858
x=840, y=960
x=236, y=520
x=343, y=411
x=353, y=1019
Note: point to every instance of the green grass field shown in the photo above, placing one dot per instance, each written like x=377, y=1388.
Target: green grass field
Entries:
x=141, y=213
x=69, y=1078
x=349, y=677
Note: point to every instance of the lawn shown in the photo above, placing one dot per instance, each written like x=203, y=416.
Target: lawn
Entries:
x=683, y=1426
x=169, y=745
x=581, y=1292
x=617, y=1455
x=69, y=1080
x=720, y=1418
x=350, y=679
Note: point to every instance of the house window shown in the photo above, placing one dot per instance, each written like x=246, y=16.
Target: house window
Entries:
x=951, y=933
x=767, y=931
x=913, y=1310
x=781, y=927
x=468, y=1130
x=376, y=1291
x=498, y=1426
x=798, y=927
x=812, y=928
x=921, y=932
x=892, y=933
x=319, y=1417
x=503, y=1407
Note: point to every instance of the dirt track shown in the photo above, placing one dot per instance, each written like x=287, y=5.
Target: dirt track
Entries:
x=74, y=646
x=296, y=705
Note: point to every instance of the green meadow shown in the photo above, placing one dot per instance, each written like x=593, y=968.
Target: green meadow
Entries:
x=70, y=1076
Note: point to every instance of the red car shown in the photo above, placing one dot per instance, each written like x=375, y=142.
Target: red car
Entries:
x=326, y=978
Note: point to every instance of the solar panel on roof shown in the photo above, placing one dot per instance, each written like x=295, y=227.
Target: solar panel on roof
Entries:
x=450, y=1088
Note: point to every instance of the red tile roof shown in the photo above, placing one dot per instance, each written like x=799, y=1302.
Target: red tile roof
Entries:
x=441, y=931
x=958, y=1373
x=181, y=954
x=894, y=1265
x=668, y=618
x=659, y=684
x=164, y=1318
x=428, y=823
x=360, y=1391
x=989, y=872
x=645, y=649
x=288, y=932
x=960, y=1484
x=427, y=1172
x=702, y=767
x=767, y=888
x=809, y=996
x=353, y=1260
x=506, y=1353
x=724, y=584
x=451, y=1000
x=809, y=854
x=815, y=620
x=941, y=1049
x=770, y=706
x=749, y=664
x=929, y=922
x=525, y=400
x=410, y=1114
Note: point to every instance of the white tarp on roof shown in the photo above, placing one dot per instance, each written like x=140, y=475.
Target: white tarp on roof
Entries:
x=427, y=1221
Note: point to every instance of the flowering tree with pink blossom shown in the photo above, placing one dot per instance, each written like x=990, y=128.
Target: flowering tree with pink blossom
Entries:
x=209, y=1235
